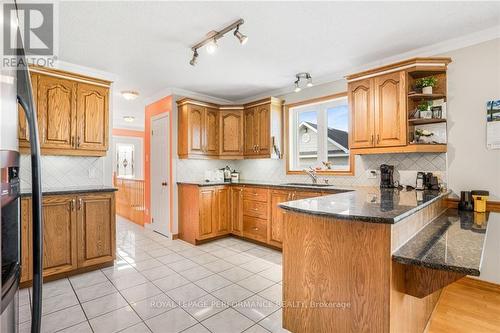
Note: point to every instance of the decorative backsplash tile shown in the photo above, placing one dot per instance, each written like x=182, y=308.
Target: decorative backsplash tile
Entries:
x=274, y=170
x=64, y=171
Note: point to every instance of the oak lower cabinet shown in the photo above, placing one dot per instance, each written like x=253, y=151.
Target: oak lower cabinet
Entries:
x=237, y=211
x=78, y=232
x=95, y=229
x=73, y=113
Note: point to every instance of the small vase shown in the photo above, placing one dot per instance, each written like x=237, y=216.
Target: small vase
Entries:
x=427, y=90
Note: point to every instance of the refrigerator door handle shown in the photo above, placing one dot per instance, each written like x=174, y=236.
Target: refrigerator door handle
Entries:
x=25, y=98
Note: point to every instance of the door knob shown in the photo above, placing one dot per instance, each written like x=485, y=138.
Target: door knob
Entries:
x=163, y=183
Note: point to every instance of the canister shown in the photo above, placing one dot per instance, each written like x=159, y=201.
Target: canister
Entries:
x=480, y=198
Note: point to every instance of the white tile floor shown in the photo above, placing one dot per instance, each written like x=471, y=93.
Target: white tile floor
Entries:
x=160, y=285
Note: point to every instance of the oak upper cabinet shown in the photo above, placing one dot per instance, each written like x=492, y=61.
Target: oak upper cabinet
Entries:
x=361, y=112
x=57, y=112
x=223, y=220
x=390, y=109
x=59, y=234
x=96, y=228
x=231, y=133
x=92, y=117
x=198, y=129
x=251, y=131
x=211, y=132
x=263, y=120
x=73, y=114
x=237, y=210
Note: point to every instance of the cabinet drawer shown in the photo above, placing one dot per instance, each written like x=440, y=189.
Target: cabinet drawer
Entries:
x=256, y=193
x=255, y=208
x=255, y=228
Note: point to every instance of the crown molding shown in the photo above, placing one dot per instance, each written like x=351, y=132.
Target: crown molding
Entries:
x=185, y=93
x=431, y=50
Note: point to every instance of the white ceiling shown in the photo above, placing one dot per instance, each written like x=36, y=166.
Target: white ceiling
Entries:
x=147, y=44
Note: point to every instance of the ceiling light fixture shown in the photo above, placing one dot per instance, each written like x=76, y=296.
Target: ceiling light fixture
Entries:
x=299, y=77
x=129, y=95
x=194, y=60
x=210, y=40
x=241, y=37
x=129, y=119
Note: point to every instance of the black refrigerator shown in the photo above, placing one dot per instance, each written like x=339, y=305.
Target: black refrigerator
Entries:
x=15, y=89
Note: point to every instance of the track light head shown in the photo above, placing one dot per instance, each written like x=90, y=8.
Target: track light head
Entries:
x=297, y=87
x=241, y=37
x=309, y=81
x=299, y=77
x=212, y=46
x=194, y=60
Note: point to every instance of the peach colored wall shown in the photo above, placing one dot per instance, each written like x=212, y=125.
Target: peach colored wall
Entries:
x=163, y=105
x=128, y=132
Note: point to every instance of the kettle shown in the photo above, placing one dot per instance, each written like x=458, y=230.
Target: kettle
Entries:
x=227, y=173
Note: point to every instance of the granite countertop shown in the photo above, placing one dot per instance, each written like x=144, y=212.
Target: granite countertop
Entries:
x=454, y=242
x=369, y=204
x=72, y=190
x=322, y=187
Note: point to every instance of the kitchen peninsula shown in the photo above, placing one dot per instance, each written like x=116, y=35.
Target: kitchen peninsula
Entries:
x=374, y=260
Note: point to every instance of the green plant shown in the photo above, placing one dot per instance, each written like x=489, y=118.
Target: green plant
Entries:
x=430, y=81
x=424, y=106
x=423, y=132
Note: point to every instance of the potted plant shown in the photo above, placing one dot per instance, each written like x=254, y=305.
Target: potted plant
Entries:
x=426, y=84
x=424, y=109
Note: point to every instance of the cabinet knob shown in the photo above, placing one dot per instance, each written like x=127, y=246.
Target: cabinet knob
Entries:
x=255, y=229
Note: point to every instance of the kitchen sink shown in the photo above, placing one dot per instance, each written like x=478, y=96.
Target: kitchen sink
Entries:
x=307, y=184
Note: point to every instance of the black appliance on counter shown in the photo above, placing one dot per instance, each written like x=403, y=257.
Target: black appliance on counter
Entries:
x=466, y=201
x=15, y=87
x=386, y=176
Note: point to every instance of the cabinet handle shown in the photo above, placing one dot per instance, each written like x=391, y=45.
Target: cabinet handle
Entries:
x=378, y=138
x=72, y=205
x=255, y=229
x=80, y=204
x=78, y=141
x=373, y=139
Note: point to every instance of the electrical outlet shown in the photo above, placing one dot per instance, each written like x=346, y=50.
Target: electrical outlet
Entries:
x=371, y=173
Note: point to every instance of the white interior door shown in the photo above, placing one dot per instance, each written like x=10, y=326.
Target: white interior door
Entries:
x=160, y=171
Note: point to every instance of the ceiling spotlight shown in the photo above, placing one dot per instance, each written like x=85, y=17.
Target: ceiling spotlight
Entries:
x=129, y=119
x=309, y=81
x=195, y=58
x=297, y=87
x=130, y=95
x=211, y=38
x=212, y=46
x=241, y=37
x=300, y=76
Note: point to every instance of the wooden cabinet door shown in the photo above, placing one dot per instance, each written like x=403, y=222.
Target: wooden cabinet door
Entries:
x=231, y=133
x=92, y=117
x=298, y=195
x=207, y=213
x=195, y=129
x=263, y=137
x=57, y=112
x=237, y=210
x=26, y=241
x=211, y=132
x=251, y=131
x=96, y=229
x=275, y=236
x=390, y=110
x=360, y=94
x=223, y=215
x=23, y=130
x=59, y=234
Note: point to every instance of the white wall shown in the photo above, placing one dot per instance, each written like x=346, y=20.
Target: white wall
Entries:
x=473, y=79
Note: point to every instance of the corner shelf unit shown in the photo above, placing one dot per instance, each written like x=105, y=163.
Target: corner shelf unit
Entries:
x=415, y=98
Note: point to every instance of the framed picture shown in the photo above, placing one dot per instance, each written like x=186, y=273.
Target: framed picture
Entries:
x=493, y=111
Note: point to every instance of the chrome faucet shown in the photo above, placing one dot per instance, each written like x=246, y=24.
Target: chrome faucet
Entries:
x=312, y=173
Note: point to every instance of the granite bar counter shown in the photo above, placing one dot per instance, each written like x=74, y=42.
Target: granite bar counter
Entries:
x=72, y=190
x=454, y=241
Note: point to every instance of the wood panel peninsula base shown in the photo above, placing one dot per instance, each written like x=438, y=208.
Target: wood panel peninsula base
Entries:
x=345, y=273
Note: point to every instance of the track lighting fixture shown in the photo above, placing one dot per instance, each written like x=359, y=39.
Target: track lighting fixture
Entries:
x=195, y=58
x=241, y=37
x=300, y=76
x=210, y=40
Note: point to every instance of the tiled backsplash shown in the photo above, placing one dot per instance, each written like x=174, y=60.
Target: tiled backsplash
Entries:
x=64, y=171
x=274, y=170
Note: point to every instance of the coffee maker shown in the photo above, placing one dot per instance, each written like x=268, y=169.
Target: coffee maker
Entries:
x=386, y=176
